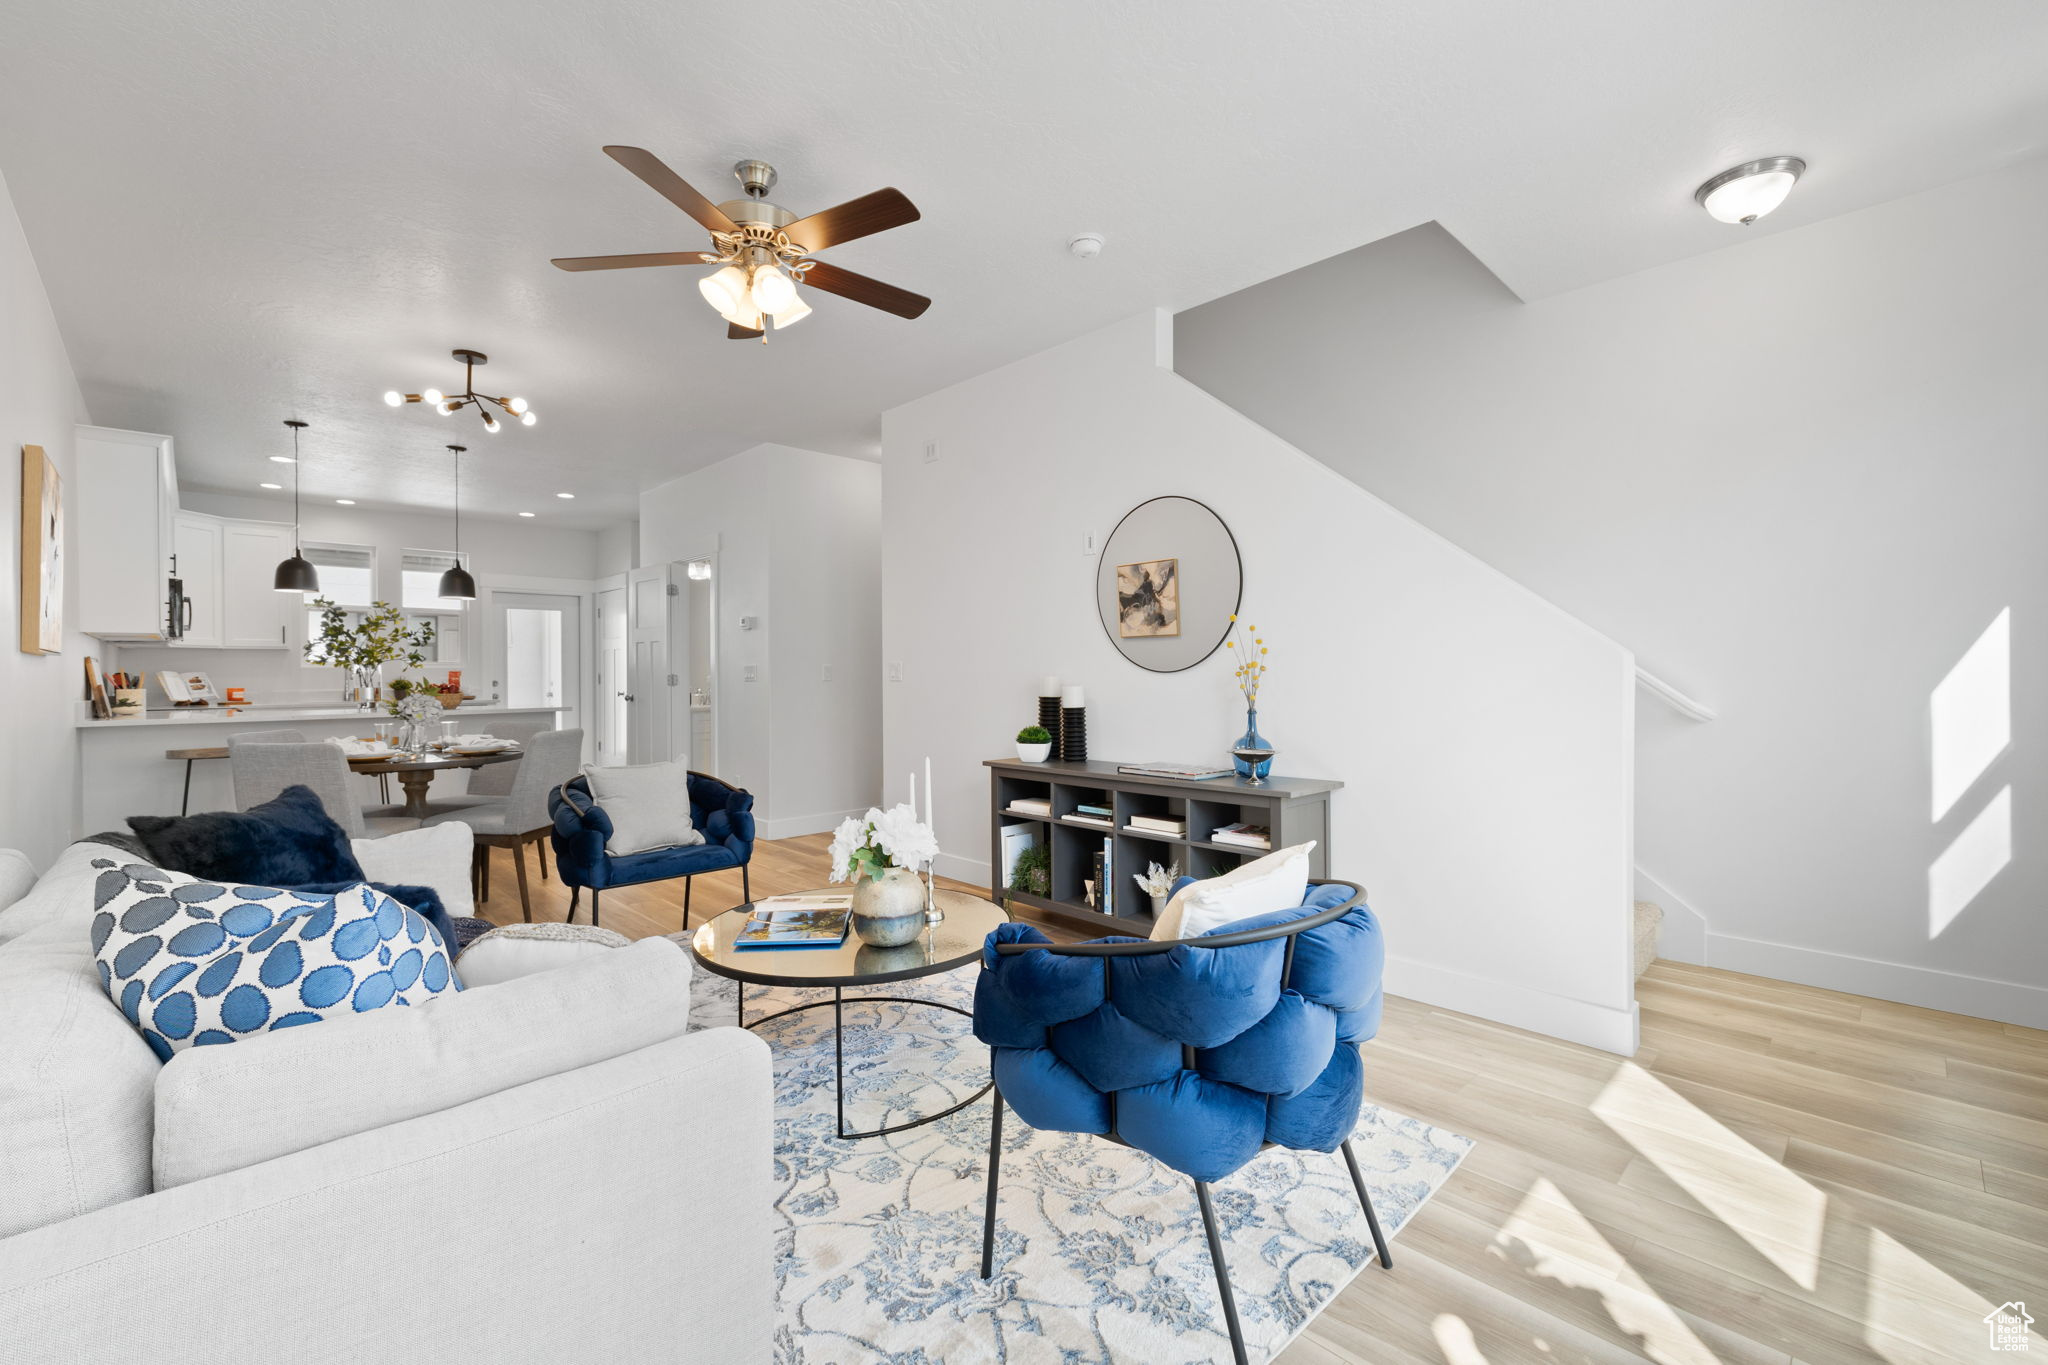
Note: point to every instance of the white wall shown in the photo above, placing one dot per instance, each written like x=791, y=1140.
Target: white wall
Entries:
x=1483, y=735
x=1799, y=477
x=495, y=549
x=39, y=405
x=618, y=549
x=794, y=536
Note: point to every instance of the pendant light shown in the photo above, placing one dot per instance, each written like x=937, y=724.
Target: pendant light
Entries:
x=297, y=573
x=456, y=582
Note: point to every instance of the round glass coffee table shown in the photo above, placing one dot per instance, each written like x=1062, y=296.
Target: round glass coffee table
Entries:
x=947, y=946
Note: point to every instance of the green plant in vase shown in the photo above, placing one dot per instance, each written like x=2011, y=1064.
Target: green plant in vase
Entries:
x=1034, y=743
x=381, y=637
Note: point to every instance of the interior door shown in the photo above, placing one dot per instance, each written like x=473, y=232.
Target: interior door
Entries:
x=537, y=651
x=609, y=706
x=649, y=734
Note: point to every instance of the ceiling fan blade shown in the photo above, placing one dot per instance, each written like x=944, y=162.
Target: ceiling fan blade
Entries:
x=871, y=213
x=671, y=186
x=735, y=332
x=629, y=262
x=887, y=297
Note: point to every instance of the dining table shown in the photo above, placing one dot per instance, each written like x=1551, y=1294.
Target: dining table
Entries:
x=416, y=772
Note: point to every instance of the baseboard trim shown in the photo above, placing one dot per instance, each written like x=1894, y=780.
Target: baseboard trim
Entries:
x=1575, y=1021
x=2007, y=1002
x=973, y=871
x=795, y=826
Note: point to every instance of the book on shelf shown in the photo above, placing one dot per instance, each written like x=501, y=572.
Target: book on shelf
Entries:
x=1190, y=772
x=1244, y=835
x=1099, y=821
x=1088, y=808
x=1017, y=838
x=815, y=922
x=1105, y=878
x=1159, y=824
x=1030, y=805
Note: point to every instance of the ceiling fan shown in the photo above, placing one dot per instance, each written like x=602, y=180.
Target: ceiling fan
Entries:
x=763, y=251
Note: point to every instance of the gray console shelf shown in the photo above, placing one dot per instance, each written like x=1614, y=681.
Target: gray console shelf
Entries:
x=1293, y=808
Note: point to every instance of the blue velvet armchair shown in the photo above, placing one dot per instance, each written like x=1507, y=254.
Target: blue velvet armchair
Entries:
x=721, y=812
x=1201, y=1053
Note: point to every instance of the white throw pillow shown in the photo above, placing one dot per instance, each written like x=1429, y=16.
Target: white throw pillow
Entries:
x=649, y=805
x=517, y=950
x=436, y=857
x=1277, y=881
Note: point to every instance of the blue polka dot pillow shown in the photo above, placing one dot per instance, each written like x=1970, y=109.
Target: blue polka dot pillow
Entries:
x=195, y=962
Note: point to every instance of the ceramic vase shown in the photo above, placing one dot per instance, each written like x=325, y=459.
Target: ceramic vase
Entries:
x=888, y=910
x=1033, y=753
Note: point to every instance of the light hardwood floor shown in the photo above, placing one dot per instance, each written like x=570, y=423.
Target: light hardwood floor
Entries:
x=1781, y=1174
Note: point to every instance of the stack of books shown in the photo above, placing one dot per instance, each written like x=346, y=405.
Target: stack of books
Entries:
x=1030, y=805
x=1093, y=815
x=1187, y=772
x=1244, y=836
x=1169, y=825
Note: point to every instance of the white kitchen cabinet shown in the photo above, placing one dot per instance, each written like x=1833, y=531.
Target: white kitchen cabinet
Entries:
x=125, y=495
x=254, y=615
x=197, y=541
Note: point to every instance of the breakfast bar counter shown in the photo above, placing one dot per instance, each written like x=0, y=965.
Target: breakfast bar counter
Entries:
x=123, y=771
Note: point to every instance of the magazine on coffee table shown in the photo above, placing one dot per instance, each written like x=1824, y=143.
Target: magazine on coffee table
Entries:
x=810, y=922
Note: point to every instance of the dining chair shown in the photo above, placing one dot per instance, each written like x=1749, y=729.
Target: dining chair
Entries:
x=1201, y=1052
x=519, y=817
x=490, y=784
x=263, y=763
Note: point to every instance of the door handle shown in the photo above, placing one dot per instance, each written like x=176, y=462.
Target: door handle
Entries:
x=629, y=696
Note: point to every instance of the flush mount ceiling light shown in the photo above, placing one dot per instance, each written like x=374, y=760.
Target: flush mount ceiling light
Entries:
x=273, y=487
x=448, y=404
x=763, y=251
x=456, y=582
x=297, y=573
x=1742, y=194
x=526, y=514
x=565, y=495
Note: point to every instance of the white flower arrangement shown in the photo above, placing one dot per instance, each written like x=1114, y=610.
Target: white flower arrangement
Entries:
x=879, y=840
x=419, y=708
x=1156, y=880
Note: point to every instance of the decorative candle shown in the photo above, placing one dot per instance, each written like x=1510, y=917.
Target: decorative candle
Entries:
x=1048, y=686
x=929, y=817
x=1072, y=698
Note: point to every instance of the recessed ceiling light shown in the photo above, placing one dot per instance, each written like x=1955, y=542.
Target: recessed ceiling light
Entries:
x=565, y=495
x=270, y=485
x=526, y=514
x=346, y=502
x=1742, y=194
x=282, y=459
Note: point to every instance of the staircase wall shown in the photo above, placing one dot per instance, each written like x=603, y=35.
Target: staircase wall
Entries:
x=1801, y=477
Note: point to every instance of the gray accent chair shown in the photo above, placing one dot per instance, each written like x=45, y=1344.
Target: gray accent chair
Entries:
x=520, y=817
x=265, y=762
x=489, y=786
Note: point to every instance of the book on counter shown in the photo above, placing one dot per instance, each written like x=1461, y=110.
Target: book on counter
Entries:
x=797, y=922
x=1188, y=772
x=1243, y=835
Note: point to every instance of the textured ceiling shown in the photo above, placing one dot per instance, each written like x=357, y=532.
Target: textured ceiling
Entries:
x=245, y=211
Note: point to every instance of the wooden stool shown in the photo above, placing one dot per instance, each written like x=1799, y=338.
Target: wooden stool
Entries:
x=191, y=756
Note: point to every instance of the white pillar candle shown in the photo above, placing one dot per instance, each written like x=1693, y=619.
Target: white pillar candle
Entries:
x=1072, y=698
x=1048, y=686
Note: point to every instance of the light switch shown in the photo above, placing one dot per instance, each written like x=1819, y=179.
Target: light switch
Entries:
x=750, y=673
x=825, y=673
x=895, y=672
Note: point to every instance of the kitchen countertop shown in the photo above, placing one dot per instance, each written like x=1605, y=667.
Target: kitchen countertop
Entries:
x=284, y=714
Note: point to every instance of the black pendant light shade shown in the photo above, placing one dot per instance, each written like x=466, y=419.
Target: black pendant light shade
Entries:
x=456, y=582
x=297, y=573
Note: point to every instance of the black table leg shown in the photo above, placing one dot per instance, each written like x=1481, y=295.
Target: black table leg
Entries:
x=185, y=806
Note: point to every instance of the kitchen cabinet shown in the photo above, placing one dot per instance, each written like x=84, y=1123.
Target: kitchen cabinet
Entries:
x=124, y=495
x=196, y=540
x=254, y=615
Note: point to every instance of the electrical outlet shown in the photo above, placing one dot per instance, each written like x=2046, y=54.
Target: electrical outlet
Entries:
x=751, y=673
x=825, y=673
x=895, y=672
x=1088, y=542
x=931, y=452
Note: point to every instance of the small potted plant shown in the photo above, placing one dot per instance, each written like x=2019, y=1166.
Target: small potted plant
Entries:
x=1157, y=882
x=1033, y=873
x=1034, y=744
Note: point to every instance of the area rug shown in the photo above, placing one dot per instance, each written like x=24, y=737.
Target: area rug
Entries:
x=1100, y=1254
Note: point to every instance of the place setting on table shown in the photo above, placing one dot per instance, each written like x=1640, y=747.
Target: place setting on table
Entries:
x=384, y=751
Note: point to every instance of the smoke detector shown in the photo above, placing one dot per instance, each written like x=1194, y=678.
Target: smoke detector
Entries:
x=1085, y=247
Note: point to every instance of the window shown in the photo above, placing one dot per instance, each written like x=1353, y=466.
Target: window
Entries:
x=420, y=580
x=348, y=575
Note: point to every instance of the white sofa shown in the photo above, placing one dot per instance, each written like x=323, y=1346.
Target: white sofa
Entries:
x=547, y=1170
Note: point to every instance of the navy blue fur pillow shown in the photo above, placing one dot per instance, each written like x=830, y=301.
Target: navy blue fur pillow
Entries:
x=289, y=840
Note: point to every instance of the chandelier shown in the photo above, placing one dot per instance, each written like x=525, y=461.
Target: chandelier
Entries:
x=449, y=404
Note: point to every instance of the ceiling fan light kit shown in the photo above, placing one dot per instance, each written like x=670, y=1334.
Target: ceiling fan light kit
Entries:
x=762, y=250
x=448, y=405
